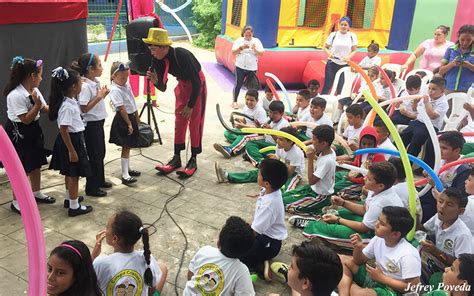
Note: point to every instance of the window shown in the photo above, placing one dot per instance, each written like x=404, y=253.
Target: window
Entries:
x=312, y=13
x=236, y=12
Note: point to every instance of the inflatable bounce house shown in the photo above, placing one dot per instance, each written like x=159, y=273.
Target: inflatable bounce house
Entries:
x=294, y=31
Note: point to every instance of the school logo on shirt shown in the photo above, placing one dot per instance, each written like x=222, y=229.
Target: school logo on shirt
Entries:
x=128, y=282
x=210, y=280
x=448, y=245
x=392, y=267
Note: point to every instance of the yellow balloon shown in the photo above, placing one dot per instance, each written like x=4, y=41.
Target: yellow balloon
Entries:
x=267, y=149
x=403, y=156
x=337, y=137
x=275, y=133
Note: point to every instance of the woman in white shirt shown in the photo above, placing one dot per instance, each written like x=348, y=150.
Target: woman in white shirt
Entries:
x=340, y=47
x=247, y=49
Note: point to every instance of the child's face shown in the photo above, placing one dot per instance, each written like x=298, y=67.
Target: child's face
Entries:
x=275, y=116
x=316, y=112
x=382, y=133
x=283, y=143
x=353, y=120
x=37, y=77
x=448, y=208
x=120, y=78
x=60, y=275
x=294, y=280
x=383, y=82
x=76, y=88
x=451, y=275
x=250, y=101
x=97, y=70
x=372, y=75
x=313, y=90
x=447, y=152
x=434, y=91
x=371, y=53
x=367, y=142
x=383, y=229
x=300, y=101
x=413, y=91
x=371, y=184
x=469, y=183
x=319, y=145
x=269, y=96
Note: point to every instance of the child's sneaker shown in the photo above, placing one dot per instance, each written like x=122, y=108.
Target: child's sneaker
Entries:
x=220, y=173
x=300, y=221
x=280, y=271
x=224, y=150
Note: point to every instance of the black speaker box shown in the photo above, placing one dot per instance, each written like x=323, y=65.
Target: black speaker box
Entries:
x=138, y=52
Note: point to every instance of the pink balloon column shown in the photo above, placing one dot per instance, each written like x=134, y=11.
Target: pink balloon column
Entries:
x=30, y=215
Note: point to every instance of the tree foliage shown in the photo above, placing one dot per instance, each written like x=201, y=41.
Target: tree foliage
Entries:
x=207, y=15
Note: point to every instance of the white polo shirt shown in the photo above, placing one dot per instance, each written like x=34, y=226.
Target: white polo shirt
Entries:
x=88, y=92
x=303, y=114
x=69, y=114
x=454, y=240
x=293, y=157
x=439, y=105
x=257, y=113
x=468, y=216
x=370, y=62
x=325, y=119
x=276, y=126
x=325, y=170
x=247, y=59
x=216, y=274
x=402, y=191
x=19, y=103
x=341, y=45
x=122, y=96
x=352, y=134
x=375, y=203
x=387, y=144
x=400, y=262
x=269, y=218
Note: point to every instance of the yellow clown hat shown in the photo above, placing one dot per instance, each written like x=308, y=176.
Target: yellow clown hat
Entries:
x=157, y=36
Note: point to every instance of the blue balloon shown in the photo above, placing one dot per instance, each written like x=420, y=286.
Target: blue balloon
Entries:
x=421, y=163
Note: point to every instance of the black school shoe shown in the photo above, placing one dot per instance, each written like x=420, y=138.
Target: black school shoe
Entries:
x=66, y=201
x=97, y=193
x=47, y=200
x=134, y=173
x=128, y=181
x=14, y=209
x=106, y=185
x=79, y=211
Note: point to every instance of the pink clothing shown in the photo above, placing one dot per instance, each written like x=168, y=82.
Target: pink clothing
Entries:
x=433, y=54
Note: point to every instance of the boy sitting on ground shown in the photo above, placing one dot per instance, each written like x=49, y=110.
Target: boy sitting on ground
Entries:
x=221, y=264
x=317, y=107
x=397, y=262
x=355, y=118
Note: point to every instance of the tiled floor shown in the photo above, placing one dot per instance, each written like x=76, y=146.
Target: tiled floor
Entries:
x=200, y=210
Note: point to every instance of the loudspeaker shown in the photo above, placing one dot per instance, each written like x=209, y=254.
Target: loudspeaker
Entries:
x=138, y=52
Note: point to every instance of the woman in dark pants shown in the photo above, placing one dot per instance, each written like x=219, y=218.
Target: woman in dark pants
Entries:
x=247, y=49
x=340, y=46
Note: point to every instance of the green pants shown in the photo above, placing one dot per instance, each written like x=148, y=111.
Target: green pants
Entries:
x=251, y=176
x=363, y=280
x=340, y=181
x=339, y=149
x=253, y=150
x=323, y=229
x=238, y=142
x=305, y=201
x=467, y=148
x=231, y=137
x=302, y=135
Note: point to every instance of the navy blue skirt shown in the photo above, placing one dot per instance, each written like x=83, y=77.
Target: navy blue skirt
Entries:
x=60, y=160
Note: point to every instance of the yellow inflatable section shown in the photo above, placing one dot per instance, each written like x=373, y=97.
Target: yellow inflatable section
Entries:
x=231, y=30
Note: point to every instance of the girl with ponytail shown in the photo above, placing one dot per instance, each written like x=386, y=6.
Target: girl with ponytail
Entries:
x=136, y=272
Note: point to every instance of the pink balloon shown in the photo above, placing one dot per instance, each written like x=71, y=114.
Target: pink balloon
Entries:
x=390, y=85
x=30, y=215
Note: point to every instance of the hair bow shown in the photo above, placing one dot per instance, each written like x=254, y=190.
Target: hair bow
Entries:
x=17, y=60
x=60, y=73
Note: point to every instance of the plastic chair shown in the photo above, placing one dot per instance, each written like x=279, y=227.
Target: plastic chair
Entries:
x=457, y=111
x=396, y=68
x=332, y=98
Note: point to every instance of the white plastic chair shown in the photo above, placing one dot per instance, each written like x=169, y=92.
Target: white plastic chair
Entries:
x=425, y=79
x=396, y=68
x=457, y=111
x=332, y=98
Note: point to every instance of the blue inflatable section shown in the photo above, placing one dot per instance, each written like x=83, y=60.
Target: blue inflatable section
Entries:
x=402, y=20
x=263, y=16
x=224, y=15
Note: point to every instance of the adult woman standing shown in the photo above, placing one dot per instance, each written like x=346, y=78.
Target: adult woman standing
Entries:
x=458, y=62
x=247, y=49
x=431, y=50
x=340, y=46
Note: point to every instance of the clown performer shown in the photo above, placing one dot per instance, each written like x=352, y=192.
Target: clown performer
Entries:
x=191, y=93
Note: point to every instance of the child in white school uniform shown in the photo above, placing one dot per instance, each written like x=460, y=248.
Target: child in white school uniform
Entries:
x=372, y=59
x=24, y=103
x=301, y=109
x=69, y=153
x=318, y=117
x=91, y=100
x=124, y=129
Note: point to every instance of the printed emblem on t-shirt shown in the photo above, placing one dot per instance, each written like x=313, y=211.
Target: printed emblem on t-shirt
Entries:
x=210, y=280
x=127, y=282
x=392, y=267
x=448, y=245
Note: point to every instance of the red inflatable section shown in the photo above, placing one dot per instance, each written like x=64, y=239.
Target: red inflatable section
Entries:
x=294, y=66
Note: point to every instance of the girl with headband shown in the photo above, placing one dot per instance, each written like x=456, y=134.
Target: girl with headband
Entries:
x=70, y=271
x=24, y=104
x=340, y=46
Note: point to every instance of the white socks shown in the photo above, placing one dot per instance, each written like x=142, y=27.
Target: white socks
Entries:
x=74, y=204
x=40, y=195
x=125, y=165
